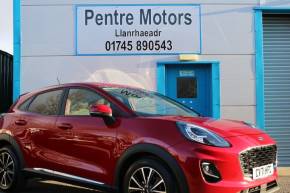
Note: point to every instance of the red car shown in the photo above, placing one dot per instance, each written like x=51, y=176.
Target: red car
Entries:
x=122, y=139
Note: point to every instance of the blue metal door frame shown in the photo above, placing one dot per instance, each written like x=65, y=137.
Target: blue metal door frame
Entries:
x=17, y=48
x=260, y=98
x=215, y=80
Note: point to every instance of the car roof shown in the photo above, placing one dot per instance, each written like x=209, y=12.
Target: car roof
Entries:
x=93, y=84
x=103, y=85
x=83, y=84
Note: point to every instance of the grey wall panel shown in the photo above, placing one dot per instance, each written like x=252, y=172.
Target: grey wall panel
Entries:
x=234, y=66
x=6, y=21
x=238, y=92
x=47, y=30
x=276, y=3
x=228, y=29
x=243, y=113
x=53, y=2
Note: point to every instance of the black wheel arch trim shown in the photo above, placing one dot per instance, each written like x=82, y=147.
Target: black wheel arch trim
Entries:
x=158, y=152
x=11, y=141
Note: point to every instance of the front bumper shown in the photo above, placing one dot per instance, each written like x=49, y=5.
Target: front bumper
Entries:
x=231, y=187
x=227, y=161
x=270, y=187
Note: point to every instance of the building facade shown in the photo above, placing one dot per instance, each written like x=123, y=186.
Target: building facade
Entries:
x=224, y=58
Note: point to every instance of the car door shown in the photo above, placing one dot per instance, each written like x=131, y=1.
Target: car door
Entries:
x=90, y=143
x=40, y=117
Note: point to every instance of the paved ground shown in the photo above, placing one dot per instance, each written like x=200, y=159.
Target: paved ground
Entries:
x=55, y=187
x=284, y=183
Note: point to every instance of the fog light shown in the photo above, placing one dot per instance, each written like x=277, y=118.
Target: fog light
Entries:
x=210, y=172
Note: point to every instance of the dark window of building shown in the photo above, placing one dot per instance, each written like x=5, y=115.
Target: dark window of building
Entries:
x=46, y=103
x=186, y=87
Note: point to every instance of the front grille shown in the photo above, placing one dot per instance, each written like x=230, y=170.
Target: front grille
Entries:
x=256, y=157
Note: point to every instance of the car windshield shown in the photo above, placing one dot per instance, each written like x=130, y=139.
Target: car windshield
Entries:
x=148, y=103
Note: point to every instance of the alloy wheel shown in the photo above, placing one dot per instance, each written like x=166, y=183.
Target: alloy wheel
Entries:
x=7, y=170
x=146, y=180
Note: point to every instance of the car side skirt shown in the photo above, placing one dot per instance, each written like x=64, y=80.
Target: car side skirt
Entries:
x=67, y=178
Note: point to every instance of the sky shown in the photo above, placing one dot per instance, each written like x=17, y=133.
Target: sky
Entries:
x=6, y=26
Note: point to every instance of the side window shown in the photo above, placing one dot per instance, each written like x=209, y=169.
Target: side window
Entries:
x=24, y=105
x=46, y=103
x=80, y=100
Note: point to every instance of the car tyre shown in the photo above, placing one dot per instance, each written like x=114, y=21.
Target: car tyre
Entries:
x=11, y=176
x=148, y=175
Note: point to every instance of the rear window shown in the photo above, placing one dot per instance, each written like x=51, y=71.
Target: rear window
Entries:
x=46, y=103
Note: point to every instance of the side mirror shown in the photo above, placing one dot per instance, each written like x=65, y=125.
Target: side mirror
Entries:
x=101, y=111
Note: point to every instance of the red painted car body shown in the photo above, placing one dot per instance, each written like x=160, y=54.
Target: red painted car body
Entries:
x=87, y=147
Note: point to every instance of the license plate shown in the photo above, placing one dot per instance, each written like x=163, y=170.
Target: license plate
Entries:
x=263, y=171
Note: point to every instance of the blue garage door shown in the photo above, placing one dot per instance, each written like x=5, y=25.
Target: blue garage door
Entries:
x=191, y=86
x=277, y=81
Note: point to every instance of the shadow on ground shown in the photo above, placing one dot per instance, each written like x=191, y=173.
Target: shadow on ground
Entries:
x=37, y=186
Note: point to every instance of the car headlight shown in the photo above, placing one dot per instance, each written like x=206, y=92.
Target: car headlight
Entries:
x=201, y=135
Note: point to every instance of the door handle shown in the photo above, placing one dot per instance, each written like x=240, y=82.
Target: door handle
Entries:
x=21, y=122
x=65, y=126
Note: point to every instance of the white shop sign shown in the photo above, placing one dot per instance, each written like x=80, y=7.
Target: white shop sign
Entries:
x=138, y=29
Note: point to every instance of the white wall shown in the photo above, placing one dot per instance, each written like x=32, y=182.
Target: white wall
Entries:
x=228, y=36
x=6, y=26
x=276, y=3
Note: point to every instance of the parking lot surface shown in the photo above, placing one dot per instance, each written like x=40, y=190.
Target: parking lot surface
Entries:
x=56, y=187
